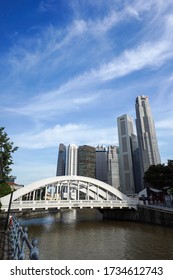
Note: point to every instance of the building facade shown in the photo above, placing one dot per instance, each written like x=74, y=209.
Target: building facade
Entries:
x=101, y=164
x=136, y=164
x=72, y=159
x=125, y=132
x=61, y=163
x=113, y=172
x=147, y=139
x=86, y=161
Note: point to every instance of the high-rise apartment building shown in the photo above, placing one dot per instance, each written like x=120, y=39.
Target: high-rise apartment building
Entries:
x=71, y=166
x=125, y=132
x=113, y=166
x=101, y=164
x=86, y=161
x=147, y=140
x=61, y=164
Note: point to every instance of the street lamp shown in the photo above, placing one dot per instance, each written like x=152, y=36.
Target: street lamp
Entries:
x=1, y=162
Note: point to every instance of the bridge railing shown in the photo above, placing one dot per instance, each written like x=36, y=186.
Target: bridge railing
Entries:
x=19, y=243
x=45, y=204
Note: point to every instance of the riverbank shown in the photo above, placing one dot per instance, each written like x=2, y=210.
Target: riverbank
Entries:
x=144, y=214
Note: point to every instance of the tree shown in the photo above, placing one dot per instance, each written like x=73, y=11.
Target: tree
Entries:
x=4, y=189
x=159, y=176
x=6, y=160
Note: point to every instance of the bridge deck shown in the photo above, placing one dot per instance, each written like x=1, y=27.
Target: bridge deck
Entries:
x=69, y=204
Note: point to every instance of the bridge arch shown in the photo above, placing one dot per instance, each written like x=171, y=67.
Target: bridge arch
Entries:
x=66, y=188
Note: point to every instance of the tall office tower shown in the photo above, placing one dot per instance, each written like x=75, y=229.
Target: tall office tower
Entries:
x=125, y=132
x=136, y=164
x=147, y=140
x=71, y=167
x=61, y=163
x=101, y=164
x=113, y=166
x=86, y=161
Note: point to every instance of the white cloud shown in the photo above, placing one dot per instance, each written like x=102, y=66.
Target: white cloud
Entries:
x=165, y=124
x=69, y=133
x=151, y=54
x=146, y=55
x=45, y=51
x=44, y=105
x=28, y=53
x=46, y=5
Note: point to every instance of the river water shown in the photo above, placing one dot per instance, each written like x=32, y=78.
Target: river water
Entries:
x=84, y=235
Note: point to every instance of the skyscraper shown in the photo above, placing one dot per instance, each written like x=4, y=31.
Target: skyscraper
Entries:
x=147, y=140
x=101, y=163
x=86, y=161
x=113, y=166
x=136, y=164
x=125, y=132
x=61, y=164
x=71, y=167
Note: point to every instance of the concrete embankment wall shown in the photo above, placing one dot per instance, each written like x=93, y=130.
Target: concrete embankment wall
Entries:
x=28, y=213
x=143, y=214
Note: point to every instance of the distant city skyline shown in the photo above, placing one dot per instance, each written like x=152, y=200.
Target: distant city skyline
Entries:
x=120, y=166
x=99, y=162
x=68, y=69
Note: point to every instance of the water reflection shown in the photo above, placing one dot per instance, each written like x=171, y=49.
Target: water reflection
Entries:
x=82, y=234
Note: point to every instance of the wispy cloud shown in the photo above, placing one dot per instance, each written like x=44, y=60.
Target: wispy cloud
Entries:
x=44, y=105
x=69, y=133
x=47, y=49
x=30, y=52
x=146, y=55
x=46, y=5
x=70, y=79
x=165, y=124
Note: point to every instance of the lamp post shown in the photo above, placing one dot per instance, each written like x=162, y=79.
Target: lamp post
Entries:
x=1, y=163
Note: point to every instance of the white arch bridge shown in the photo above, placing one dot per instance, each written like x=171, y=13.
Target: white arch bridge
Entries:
x=67, y=192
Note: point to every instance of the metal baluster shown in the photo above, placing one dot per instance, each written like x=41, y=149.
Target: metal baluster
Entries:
x=18, y=239
x=34, y=253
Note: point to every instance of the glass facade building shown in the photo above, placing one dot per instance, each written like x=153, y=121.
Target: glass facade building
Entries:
x=125, y=132
x=101, y=164
x=61, y=164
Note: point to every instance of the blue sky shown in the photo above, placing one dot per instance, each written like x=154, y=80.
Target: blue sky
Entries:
x=68, y=69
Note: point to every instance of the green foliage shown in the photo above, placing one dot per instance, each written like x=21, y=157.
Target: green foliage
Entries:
x=4, y=189
x=171, y=191
x=159, y=176
x=6, y=150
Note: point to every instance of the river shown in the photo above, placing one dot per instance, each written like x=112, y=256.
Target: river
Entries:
x=84, y=235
